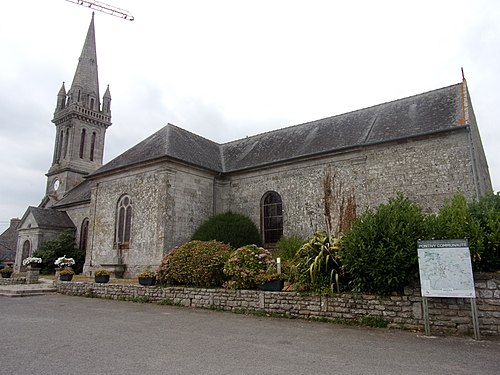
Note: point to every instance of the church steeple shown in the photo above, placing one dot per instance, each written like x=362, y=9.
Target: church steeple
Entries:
x=85, y=87
x=80, y=125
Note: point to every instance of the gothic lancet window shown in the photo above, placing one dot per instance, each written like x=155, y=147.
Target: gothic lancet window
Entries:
x=82, y=143
x=272, y=217
x=66, y=142
x=59, y=142
x=123, y=221
x=84, y=233
x=92, y=146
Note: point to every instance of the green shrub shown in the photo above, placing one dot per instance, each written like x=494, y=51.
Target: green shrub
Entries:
x=287, y=247
x=380, y=251
x=199, y=263
x=487, y=212
x=64, y=245
x=318, y=265
x=245, y=264
x=479, y=222
x=234, y=229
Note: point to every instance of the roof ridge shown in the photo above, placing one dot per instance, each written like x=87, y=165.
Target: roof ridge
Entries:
x=341, y=114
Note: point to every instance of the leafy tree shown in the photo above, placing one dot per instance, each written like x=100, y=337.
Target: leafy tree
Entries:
x=64, y=245
x=234, y=229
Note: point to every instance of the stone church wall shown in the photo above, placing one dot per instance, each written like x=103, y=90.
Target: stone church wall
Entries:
x=77, y=214
x=426, y=170
x=169, y=202
x=190, y=201
x=477, y=153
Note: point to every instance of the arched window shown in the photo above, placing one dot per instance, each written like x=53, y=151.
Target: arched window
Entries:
x=84, y=234
x=59, y=142
x=92, y=146
x=66, y=141
x=82, y=142
x=272, y=217
x=123, y=221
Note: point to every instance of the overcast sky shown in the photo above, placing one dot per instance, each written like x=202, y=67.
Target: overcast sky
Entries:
x=228, y=69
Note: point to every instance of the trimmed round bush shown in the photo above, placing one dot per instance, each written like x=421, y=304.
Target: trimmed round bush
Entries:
x=197, y=263
x=234, y=229
x=245, y=264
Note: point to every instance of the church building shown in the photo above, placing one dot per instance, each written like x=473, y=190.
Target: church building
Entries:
x=128, y=213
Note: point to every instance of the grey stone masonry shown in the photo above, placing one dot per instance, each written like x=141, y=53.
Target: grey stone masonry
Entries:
x=447, y=315
x=12, y=280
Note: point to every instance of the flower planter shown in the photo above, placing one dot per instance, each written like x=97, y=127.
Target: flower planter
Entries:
x=147, y=281
x=35, y=266
x=65, y=277
x=272, y=286
x=6, y=275
x=102, y=279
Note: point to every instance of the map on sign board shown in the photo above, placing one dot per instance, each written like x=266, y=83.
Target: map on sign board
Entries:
x=445, y=269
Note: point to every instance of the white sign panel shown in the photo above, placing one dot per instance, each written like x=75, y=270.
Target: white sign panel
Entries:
x=445, y=269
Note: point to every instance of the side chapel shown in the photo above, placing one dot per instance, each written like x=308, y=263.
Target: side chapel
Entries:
x=128, y=213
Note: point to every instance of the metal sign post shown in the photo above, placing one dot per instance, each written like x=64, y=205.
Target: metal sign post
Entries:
x=446, y=271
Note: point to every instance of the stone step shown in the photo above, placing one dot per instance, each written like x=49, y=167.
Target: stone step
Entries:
x=26, y=290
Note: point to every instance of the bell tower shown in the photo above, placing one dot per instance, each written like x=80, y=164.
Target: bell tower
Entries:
x=81, y=124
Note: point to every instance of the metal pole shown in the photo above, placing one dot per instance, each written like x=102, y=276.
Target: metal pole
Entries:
x=475, y=320
x=426, y=316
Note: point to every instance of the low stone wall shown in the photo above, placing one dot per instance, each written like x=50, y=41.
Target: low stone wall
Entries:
x=447, y=315
x=12, y=280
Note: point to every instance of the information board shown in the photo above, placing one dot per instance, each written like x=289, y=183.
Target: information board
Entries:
x=445, y=269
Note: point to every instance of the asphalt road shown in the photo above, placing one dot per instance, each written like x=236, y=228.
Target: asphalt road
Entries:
x=57, y=334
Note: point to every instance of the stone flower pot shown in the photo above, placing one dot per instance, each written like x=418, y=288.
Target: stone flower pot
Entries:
x=147, y=281
x=103, y=279
x=272, y=286
x=65, y=277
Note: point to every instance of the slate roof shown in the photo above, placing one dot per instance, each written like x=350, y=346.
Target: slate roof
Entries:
x=49, y=218
x=77, y=195
x=173, y=142
x=422, y=114
x=8, y=242
x=427, y=113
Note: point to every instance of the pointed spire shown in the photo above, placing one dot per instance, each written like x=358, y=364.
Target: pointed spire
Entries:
x=61, y=98
x=106, y=101
x=107, y=94
x=62, y=91
x=85, y=87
